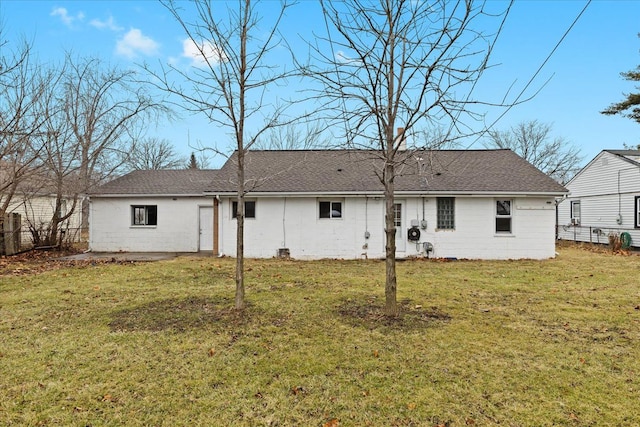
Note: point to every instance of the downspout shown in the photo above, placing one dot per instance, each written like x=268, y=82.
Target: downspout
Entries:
x=90, y=204
x=284, y=225
x=619, y=217
x=217, y=231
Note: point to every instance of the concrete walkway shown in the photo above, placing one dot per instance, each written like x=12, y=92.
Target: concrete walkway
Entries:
x=123, y=256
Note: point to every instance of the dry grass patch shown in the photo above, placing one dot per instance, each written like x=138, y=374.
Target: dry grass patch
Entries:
x=516, y=343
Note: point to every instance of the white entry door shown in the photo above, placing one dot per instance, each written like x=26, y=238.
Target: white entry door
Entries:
x=398, y=214
x=206, y=228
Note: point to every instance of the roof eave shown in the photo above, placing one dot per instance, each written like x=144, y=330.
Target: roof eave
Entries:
x=147, y=195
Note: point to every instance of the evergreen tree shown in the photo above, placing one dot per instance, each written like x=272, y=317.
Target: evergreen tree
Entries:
x=193, y=163
x=630, y=107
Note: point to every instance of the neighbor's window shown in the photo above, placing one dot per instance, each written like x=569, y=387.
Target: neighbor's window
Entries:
x=575, y=212
x=144, y=215
x=249, y=209
x=445, y=213
x=637, y=215
x=330, y=209
x=503, y=216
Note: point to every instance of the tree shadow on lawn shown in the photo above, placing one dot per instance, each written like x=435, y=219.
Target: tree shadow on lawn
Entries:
x=369, y=313
x=178, y=314
x=183, y=314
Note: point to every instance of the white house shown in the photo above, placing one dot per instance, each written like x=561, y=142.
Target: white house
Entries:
x=309, y=204
x=603, y=199
x=153, y=211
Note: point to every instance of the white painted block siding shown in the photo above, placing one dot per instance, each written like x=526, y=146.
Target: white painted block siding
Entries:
x=177, y=229
x=294, y=223
x=606, y=188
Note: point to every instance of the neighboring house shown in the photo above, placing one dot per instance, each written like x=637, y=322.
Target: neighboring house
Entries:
x=36, y=211
x=603, y=199
x=309, y=204
x=34, y=199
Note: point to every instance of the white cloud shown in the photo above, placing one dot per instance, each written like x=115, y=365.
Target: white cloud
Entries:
x=198, y=53
x=134, y=43
x=66, y=19
x=109, y=24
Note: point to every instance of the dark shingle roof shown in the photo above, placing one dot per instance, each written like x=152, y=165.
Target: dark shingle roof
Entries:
x=630, y=156
x=347, y=171
x=335, y=171
x=160, y=182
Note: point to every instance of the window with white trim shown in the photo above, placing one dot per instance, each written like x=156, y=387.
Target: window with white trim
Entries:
x=249, y=209
x=397, y=215
x=445, y=211
x=575, y=212
x=330, y=209
x=144, y=215
x=637, y=215
x=503, y=216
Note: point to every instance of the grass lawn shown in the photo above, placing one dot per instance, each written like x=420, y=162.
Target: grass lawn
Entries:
x=510, y=343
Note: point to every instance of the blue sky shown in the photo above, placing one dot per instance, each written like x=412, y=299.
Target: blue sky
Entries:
x=584, y=71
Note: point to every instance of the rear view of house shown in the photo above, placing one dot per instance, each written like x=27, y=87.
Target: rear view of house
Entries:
x=310, y=204
x=603, y=200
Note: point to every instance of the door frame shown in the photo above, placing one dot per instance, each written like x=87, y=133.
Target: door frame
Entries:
x=214, y=226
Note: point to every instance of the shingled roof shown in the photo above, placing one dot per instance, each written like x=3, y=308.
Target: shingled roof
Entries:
x=357, y=171
x=631, y=156
x=159, y=182
x=347, y=171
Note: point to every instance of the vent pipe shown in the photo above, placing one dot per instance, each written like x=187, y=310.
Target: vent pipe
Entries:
x=402, y=140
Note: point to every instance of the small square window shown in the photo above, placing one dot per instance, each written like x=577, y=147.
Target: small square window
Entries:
x=330, y=209
x=144, y=215
x=249, y=209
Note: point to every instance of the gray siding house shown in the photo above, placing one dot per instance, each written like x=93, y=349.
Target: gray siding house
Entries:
x=603, y=199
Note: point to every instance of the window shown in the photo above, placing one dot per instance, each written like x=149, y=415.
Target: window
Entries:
x=575, y=212
x=503, y=216
x=330, y=209
x=144, y=215
x=397, y=215
x=445, y=213
x=249, y=209
x=637, y=215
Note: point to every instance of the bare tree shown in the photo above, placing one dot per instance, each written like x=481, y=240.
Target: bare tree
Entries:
x=399, y=64
x=296, y=136
x=228, y=83
x=21, y=86
x=154, y=153
x=532, y=141
x=106, y=108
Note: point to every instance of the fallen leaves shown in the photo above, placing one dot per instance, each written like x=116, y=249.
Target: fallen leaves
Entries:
x=36, y=262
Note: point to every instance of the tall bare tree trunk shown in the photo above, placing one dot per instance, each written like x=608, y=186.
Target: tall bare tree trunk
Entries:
x=391, y=306
x=240, y=303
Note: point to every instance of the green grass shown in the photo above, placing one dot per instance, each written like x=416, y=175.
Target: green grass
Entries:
x=511, y=343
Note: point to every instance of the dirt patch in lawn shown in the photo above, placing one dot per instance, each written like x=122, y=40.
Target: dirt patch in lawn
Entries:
x=179, y=315
x=369, y=313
